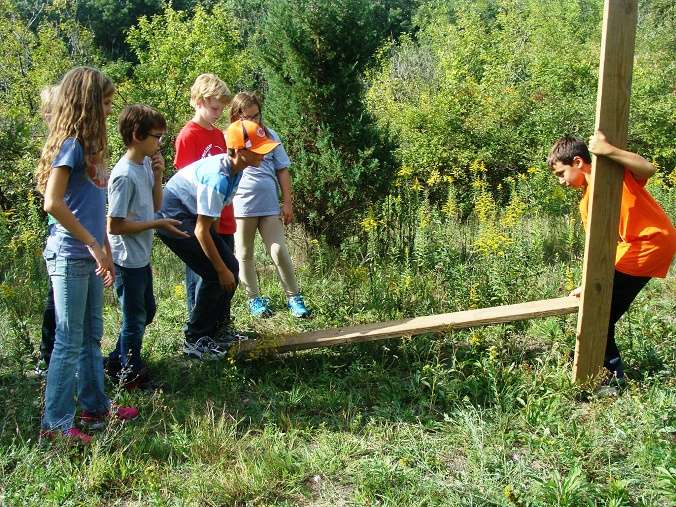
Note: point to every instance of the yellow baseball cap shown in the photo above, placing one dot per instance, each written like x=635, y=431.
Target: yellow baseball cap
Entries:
x=248, y=135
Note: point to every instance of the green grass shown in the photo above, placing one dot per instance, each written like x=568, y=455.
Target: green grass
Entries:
x=479, y=417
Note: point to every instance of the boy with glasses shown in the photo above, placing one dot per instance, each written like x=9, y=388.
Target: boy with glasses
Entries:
x=134, y=195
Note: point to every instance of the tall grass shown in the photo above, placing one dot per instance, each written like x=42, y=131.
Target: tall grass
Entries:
x=485, y=416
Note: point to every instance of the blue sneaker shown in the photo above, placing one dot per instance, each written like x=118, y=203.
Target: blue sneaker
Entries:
x=260, y=307
x=298, y=308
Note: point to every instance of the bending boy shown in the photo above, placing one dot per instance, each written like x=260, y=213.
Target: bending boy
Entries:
x=196, y=195
x=646, y=239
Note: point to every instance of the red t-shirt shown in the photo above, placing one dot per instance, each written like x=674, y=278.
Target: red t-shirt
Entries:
x=647, y=238
x=195, y=142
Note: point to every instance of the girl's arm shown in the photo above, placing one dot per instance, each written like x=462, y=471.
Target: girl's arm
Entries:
x=203, y=235
x=639, y=166
x=56, y=206
x=284, y=178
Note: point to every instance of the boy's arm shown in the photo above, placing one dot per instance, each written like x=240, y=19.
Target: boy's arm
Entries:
x=203, y=235
x=120, y=225
x=284, y=178
x=158, y=173
x=639, y=166
x=118, y=207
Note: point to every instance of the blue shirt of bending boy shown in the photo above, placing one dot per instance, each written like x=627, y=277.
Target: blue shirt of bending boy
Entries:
x=201, y=188
x=85, y=199
x=130, y=196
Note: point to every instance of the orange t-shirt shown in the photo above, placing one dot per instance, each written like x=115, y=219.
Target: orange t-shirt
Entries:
x=647, y=241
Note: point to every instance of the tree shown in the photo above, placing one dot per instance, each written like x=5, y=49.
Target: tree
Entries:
x=313, y=56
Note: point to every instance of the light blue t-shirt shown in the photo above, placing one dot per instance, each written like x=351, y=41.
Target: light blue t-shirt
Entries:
x=130, y=196
x=257, y=194
x=86, y=199
x=201, y=188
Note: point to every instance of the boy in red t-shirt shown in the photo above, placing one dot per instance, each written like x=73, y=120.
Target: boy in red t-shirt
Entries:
x=200, y=138
x=646, y=237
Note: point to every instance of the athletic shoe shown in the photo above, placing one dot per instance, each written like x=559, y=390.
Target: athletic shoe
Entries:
x=298, y=308
x=229, y=336
x=98, y=421
x=205, y=348
x=260, y=307
x=72, y=436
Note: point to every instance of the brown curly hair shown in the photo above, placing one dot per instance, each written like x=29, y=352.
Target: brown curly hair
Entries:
x=77, y=112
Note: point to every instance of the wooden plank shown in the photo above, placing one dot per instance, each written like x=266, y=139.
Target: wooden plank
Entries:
x=612, y=114
x=416, y=325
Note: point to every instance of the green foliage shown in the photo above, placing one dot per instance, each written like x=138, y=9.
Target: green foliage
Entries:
x=173, y=49
x=498, y=82
x=313, y=54
x=30, y=60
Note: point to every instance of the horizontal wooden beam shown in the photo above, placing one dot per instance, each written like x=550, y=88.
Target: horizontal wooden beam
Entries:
x=414, y=326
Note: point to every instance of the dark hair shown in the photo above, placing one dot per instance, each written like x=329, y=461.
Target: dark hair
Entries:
x=139, y=119
x=566, y=149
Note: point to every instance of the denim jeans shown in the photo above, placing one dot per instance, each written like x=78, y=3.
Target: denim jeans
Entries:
x=134, y=288
x=212, y=302
x=192, y=281
x=48, y=325
x=78, y=301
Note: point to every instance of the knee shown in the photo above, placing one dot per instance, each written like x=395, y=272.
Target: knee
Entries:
x=278, y=252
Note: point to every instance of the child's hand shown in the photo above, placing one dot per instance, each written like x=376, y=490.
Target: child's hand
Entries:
x=576, y=292
x=287, y=213
x=157, y=164
x=104, y=264
x=599, y=145
x=171, y=226
x=227, y=280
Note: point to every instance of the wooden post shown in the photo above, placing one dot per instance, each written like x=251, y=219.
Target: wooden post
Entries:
x=612, y=114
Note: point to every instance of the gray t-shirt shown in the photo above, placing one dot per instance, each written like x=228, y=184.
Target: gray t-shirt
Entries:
x=86, y=199
x=257, y=192
x=201, y=188
x=130, y=196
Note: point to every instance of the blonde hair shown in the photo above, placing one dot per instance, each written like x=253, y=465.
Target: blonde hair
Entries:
x=47, y=96
x=209, y=86
x=77, y=112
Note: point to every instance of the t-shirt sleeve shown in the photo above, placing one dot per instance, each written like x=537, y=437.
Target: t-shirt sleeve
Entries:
x=628, y=175
x=209, y=201
x=70, y=155
x=280, y=159
x=119, y=197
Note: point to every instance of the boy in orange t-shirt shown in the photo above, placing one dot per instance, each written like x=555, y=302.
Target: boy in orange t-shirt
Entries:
x=646, y=237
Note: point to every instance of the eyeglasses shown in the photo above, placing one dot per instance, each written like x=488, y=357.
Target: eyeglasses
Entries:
x=160, y=137
x=256, y=117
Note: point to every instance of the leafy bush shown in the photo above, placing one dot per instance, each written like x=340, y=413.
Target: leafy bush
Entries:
x=496, y=83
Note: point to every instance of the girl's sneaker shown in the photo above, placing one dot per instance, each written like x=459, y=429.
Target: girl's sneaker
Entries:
x=72, y=435
x=260, y=307
x=99, y=421
x=298, y=308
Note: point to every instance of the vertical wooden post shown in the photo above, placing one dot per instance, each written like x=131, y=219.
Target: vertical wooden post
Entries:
x=612, y=114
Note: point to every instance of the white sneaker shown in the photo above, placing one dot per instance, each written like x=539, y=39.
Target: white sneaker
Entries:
x=205, y=348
